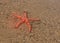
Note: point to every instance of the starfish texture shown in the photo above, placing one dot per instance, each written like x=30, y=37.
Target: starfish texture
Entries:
x=24, y=19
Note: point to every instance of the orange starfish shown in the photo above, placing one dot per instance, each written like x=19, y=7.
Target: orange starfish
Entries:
x=24, y=19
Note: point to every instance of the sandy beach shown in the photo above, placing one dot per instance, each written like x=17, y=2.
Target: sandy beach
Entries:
x=47, y=30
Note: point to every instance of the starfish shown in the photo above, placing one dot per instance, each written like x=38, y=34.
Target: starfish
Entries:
x=24, y=19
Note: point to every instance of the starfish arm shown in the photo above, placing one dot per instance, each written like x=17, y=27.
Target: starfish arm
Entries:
x=19, y=23
x=25, y=14
x=30, y=27
x=33, y=19
x=15, y=14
